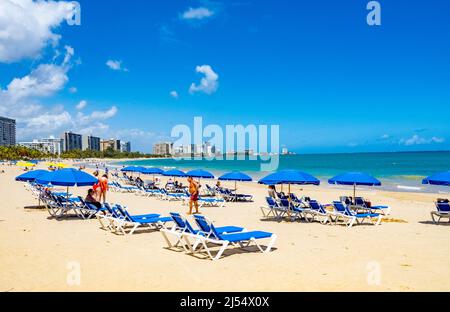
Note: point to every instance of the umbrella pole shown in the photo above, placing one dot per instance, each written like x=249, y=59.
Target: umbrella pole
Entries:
x=289, y=200
x=235, y=191
x=354, y=193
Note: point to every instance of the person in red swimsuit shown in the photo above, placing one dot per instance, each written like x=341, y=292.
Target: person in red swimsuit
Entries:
x=193, y=190
x=103, y=187
x=96, y=188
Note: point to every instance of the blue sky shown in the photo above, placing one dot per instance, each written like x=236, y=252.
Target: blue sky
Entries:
x=332, y=83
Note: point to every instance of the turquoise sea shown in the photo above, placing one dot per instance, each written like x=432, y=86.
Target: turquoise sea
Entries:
x=400, y=171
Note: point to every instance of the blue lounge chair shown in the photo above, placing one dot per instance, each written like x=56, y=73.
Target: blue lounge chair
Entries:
x=59, y=207
x=272, y=210
x=290, y=209
x=361, y=203
x=317, y=210
x=241, y=239
x=183, y=230
x=443, y=211
x=154, y=221
x=89, y=210
x=349, y=217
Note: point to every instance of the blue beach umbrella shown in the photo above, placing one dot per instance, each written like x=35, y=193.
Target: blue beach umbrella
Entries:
x=175, y=173
x=67, y=177
x=153, y=171
x=133, y=169
x=290, y=177
x=31, y=176
x=355, y=178
x=235, y=176
x=442, y=178
x=201, y=174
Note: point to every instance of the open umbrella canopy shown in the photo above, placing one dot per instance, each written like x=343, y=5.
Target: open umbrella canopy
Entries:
x=67, y=177
x=200, y=174
x=174, y=173
x=31, y=176
x=153, y=171
x=133, y=169
x=25, y=164
x=236, y=176
x=442, y=178
x=355, y=178
x=289, y=177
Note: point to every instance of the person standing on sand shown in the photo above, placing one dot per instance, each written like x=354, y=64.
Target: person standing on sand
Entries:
x=96, y=187
x=103, y=188
x=193, y=190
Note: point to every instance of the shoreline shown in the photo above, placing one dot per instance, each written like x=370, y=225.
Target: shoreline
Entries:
x=395, y=183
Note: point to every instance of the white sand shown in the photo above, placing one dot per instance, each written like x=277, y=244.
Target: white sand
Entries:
x=38, y=253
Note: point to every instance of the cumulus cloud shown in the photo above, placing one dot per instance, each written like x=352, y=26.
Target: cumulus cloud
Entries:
x=96, y=116
x=174, y=94
x=197, y=13
x=208, y=84
x=43, y=81
x=418, y=140
x=22, y=99
x=19, y=99
x=81, y=105
x=116, y=65
x=28, y=26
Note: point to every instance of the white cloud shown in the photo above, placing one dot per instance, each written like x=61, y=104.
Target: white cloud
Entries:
x=174, y=94
x=418, y=140
x=385, y=137
x=81, y=105
x=197, y=13
x=133, y=133
x=208, y=84
x=116, y=65
x=45, y=80
x=73, y=90
x=19, y=99
x=98, y=129
x=27, y=27
x=69, y=53
x=96, y=116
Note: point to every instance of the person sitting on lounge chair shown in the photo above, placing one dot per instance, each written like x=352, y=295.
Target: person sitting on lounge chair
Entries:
x=91, y=199
x=272, y=191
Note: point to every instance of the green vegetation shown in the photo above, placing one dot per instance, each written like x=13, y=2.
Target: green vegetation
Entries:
x=20, y=152
x=109, y=153
x=24, y=153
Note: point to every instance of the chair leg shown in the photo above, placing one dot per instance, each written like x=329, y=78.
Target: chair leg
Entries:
x=221, y=250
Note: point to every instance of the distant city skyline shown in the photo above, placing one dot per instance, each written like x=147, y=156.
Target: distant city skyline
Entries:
x=317, y=69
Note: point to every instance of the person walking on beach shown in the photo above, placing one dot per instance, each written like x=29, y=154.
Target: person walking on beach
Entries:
x=103, y=187
x=193, y=190
x=96, y=187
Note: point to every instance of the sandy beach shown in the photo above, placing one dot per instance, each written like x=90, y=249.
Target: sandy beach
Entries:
x=405, y=253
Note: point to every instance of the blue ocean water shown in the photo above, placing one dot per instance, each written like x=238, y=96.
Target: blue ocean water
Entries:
x=405, y=169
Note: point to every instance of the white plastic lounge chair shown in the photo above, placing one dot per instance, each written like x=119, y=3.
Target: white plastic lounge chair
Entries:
x=349, y=217
x=183, y=231
x=317, y=210
x=360, y=203
x=443, y=211
x=241, y=239
x=153, y=221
